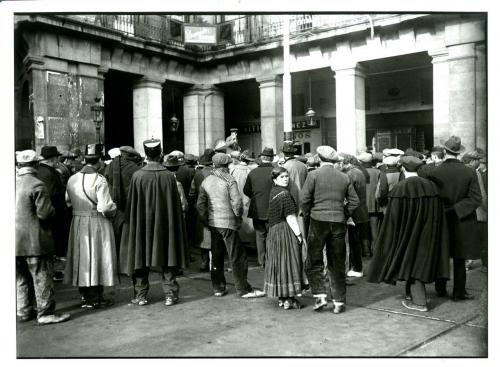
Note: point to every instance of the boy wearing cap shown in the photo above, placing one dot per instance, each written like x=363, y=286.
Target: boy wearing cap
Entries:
x=412, y=245
x=154, y=234
x=34, y=244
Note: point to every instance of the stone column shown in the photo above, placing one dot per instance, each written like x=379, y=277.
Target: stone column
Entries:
x=147, y=111
x=35, y=66
x=462, y=93
x=440, y=95
x=481, y=98
x=350, y=109
x=203, y=118
x=271, y=111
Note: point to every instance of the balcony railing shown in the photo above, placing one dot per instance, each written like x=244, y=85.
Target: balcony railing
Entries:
x=244, y=30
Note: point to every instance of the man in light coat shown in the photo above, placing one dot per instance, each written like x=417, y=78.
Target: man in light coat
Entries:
x=34, y=244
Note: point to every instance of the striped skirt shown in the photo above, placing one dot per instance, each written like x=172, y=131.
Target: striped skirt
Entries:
x=283, y=272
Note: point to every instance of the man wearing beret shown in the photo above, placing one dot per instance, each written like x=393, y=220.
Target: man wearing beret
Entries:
x=220, y=206
x=34, y=244
x=119, y=174
x=154, y=234
x=412, y=245
x=459, y=188
x=322, y=198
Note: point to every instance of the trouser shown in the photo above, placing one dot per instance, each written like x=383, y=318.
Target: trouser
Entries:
x=34, y=278
x=459, y=279
x=261, y=227
x=222, y=239
x=91, y=294
x=355, y=252
x=140, y=281
x=483, y=240
x=205, y=258
x=417, y=291
x=331, y=235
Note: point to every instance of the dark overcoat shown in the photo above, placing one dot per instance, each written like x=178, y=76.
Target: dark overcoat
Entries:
x=154, y=234
x=358, y=179
x=413, y=239
x=257, y=187
x=33, y=209
x=458, y=186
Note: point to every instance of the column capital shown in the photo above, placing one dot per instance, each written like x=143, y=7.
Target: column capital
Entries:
x=462, y=52
x=203, y=89
x=439, y=55
x=34, y=62
x=354, y=69
x=149, y=82
x=273, y=80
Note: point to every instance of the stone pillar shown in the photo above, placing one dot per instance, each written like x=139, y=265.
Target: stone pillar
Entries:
x=462, y=93
x=271, y=111
x=481, y=98
x=147, y=111
x=440, y=95
x=203, y=118
x=35, y=67
x=350, y=109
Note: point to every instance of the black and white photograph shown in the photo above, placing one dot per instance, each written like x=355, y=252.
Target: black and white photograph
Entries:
x=235, y=179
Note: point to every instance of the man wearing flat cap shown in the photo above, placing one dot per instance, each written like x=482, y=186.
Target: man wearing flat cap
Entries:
x=412, y=245
x=322, y=198
x=154, y=234
x=257, y=187
x=390, y=174
x=220, y=207
x=459, y=189
x=34, y=244
x=119, y=174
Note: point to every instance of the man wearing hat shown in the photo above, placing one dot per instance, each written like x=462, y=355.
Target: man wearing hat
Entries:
x=74, y=160
x=412, y=245
x=34, y=244
x=437, y=156
x=173, y=162
x=202, y=236
x=154, y=234
x=459, y=188
x=119, y=174
x=390, y=174
x=60, y=223
x=322, y=198
x=91, y=262
x=257, y=187
x=220, y=207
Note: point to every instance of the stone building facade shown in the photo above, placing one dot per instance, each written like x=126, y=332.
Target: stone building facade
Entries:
x=374, y=80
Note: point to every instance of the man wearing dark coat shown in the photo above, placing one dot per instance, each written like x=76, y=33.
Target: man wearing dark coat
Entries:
x=185, y=174
x=154, y=234
x=257, y=187
x=34, y=244
x=459, y=188
x=119, y=174
x=413, y=243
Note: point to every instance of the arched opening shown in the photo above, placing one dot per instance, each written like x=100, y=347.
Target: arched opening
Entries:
x=25, y=129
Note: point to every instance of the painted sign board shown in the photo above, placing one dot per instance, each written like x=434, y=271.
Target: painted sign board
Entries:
x=200, y=34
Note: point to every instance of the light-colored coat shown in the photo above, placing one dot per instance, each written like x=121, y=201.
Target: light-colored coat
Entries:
x=91, y=258
x=240, y=173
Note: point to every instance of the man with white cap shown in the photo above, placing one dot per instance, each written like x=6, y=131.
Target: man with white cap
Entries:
x=322, y=198
x=34, y=244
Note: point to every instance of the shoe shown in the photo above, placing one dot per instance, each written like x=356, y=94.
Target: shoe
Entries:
x=296, y=304
x=170, y=301
x=25, y=318
x=468, y=265
x=338, y=307
x=355, y=274
x=90, y=305
x=103, y=303
x=53, y=319
x=58, y=276
x=220, y=293
x=320, y=303
x=138, y=302
x=287, y=304
x=465, y=297
x=253, y=294
x=281, y=301
x=412, y=306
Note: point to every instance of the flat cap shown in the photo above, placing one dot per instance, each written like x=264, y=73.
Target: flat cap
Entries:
x=114, y=152
x=27, y=156
x=473, y=155
x=365, y=157
x=410, y=163
x=391, y=160
x=126, y=149
x=221, y=159
x=394, y=151
x=326, y=152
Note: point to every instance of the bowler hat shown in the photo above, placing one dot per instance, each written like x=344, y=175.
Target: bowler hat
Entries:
x=49, y=151
x=454, y=145
x=152, y=147
x=327, y=153
x=288, y=147
x=410, y=163
x=94, y=150
x=268, y=152
x=172, y=160
x=27, y=156
x=221, y=159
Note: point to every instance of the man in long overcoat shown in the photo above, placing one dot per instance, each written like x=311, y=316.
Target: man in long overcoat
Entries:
x=154, y=234
x=257, y=187
x=34, y=244
x=458, y=187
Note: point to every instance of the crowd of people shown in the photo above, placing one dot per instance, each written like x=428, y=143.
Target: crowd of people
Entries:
x=308, y=215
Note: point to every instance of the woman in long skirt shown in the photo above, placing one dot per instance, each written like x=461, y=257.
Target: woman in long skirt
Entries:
x=283, y=275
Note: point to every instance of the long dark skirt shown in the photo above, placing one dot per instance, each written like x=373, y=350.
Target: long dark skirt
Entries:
x=283, y=275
